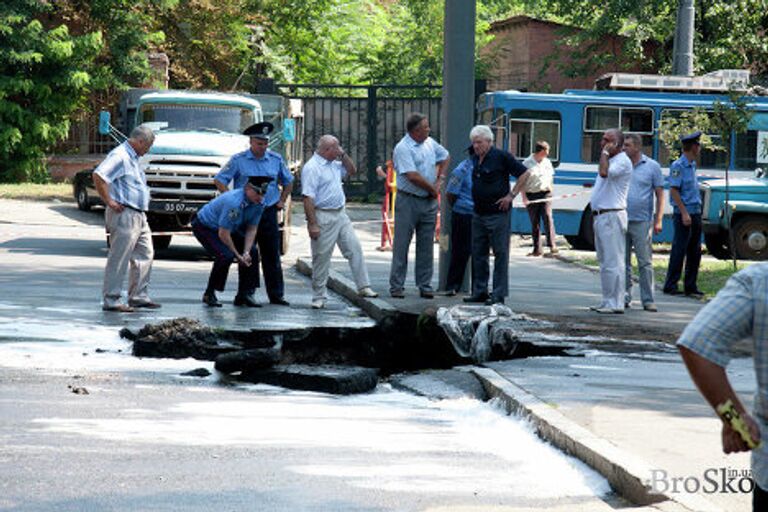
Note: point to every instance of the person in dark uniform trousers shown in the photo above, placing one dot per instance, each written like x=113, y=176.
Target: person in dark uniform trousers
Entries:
x=227, y=228
x=686, y=202
x=261, y=161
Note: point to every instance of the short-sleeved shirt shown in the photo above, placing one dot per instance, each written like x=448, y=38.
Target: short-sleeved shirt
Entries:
x=541, y=176
x=245, y=164
x=321, y=180
x=682, y=175
x=646, y=178
x=460, y=185
x=127, y=182
x=739, y=311
x=610, y=193
x=490, y=179
x=410, y=156
x=232, y=211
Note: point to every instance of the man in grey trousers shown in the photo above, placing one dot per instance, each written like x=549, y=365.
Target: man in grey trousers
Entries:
x=647, y=182
x=420, y=165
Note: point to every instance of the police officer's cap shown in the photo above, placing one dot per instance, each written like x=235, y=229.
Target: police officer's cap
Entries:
x=259, y=183
x=691, y=137
x=259, y=130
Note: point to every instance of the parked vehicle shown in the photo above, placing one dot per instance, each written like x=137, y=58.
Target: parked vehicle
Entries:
x=196, y=133
x=747, y=224
x=574, y=121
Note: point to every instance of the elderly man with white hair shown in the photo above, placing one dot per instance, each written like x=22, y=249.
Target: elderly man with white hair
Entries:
x=122, y=186
x=327, y=220
x=492, y=196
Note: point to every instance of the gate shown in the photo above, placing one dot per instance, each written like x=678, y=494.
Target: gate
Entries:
x=367, y=120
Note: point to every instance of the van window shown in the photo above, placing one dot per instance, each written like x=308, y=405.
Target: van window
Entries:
x=598, y=119
x=528, y=126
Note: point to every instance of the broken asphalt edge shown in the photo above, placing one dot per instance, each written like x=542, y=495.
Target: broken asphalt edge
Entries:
x=621, y=469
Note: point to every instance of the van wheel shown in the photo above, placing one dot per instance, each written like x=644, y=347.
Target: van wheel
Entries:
x=81, y=195
x=161, y=242
x=585, y=240
x=717, y=245
x=750, y=237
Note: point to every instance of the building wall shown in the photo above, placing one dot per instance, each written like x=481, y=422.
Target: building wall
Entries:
x=526, y=54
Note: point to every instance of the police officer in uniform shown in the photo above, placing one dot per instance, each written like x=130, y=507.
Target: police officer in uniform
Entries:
x=686, y=202
x=227, y=228
x=259, y=160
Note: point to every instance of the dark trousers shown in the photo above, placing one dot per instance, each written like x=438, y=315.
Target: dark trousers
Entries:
x=461, y=249
x=536, y=212
x=759, y=499
x=490, y=232
x=686, y=246
x=248, y=277
x=268, y=240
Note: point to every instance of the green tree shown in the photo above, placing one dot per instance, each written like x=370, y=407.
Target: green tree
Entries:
x=43, y=80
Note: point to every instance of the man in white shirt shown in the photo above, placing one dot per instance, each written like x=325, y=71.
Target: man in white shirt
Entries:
x=537, y=196
x=609, y=211
x=327, y=220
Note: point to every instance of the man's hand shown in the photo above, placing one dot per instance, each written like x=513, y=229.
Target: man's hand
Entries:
x=280, y=204
x=657, y=226
x=314, y=231
x=610, y=147
x=505, y=202
x=686, y=219
x=732, y=441
x=115, y=205
x=246, y=259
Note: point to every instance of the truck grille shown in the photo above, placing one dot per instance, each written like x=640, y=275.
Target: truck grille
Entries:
x=181, y=179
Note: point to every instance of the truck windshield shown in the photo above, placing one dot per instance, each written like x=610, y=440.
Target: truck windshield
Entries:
x=218, y=118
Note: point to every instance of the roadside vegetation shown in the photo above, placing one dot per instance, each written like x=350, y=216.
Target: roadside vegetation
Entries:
x=36, y=191
x=712, y=273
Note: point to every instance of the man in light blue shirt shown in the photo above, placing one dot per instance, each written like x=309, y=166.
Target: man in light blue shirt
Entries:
x=261, y=161
x=738, y=312
x=458, y=191
x=647, y=182
x=122, y=186
x=686, y=201
x=420, y=163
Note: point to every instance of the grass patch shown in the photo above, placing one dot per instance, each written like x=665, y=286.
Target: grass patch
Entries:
x=712, y=274
x=36, y=192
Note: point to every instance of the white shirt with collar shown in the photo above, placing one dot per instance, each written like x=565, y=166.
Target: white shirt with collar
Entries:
x=611, y=192
x=321, y=181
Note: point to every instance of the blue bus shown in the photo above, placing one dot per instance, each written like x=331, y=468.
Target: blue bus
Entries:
x=573, y=123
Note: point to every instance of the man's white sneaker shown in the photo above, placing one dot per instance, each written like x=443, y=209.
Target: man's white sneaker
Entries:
x=368, y=293
x=318, y=303
x=609, y=311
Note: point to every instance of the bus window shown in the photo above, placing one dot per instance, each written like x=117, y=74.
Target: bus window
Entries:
x=709, y=159
x=528, y=126
x=747, y=156
x=629, y=120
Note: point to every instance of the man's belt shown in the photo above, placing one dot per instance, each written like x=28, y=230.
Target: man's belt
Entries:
x=133, y=208
x=606, y=210
x=409, y=194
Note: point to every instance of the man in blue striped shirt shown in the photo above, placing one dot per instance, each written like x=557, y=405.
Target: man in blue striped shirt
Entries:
x=122, y=186
x=738, y=312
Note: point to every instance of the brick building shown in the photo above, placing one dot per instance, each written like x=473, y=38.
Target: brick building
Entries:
x=530, y=54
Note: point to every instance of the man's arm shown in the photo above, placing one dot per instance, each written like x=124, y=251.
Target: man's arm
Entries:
x=309, y=210
x=220, y=186
x=674, y=194
x=102, y=187
x=418, y=180
x=442, y=172
x=250, y=238
x=713, y=383
x=659, y=209
x=284, y=193
x=226, y=236
x=348, y=164
x=605, y=160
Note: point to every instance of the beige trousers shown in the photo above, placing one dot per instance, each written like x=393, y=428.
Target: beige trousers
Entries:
x=130, y=245
x=335, y=228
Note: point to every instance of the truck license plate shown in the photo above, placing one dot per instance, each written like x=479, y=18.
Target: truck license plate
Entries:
x=174, y=206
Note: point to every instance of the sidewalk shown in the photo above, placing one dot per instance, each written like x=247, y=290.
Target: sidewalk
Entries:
x=637, y=408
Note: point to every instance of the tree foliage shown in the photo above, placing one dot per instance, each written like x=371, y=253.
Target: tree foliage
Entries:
x=43, y=80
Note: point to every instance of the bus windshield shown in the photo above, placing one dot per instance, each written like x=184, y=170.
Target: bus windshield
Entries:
x=216, y=118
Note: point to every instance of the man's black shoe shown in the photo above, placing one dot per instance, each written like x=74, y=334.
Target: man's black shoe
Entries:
x=696, y=294
x=476, y=299
x=427, y=294
x=210, y=300
x=246, y=301
x=491, y=301
x=280, y=302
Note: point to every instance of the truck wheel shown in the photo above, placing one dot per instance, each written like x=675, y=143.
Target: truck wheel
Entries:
x=81, y=196
x=161, y=242
x=750, y=235
x=717, y=245
x=585, y=240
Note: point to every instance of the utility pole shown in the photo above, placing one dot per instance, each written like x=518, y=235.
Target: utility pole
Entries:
x=458, y=107
x=682, y=63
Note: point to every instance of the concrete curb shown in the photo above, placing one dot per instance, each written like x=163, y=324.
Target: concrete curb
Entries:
x=378, y=309
x=621, y=469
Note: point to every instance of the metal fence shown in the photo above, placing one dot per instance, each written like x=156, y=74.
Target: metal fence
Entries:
x=84, y=137
x=367, y=120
